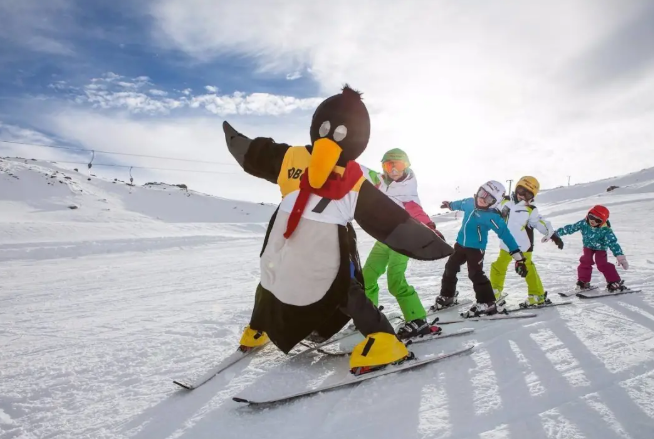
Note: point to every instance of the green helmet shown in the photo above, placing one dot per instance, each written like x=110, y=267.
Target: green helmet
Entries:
x=396, y=154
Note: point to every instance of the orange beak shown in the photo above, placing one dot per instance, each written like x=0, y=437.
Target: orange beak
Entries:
x=324, y=156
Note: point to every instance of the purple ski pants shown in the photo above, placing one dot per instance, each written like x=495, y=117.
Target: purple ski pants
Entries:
x=599, y=257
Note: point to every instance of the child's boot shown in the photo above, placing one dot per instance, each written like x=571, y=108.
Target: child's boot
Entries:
x=536, y=300
x=443, y=302
x=485, y=309
x=616, y=286
x=581, y=285
x=417, y=328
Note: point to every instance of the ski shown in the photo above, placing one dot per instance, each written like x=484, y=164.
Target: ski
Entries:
x=545, y=305
x=583, y=295
x=489, y=318
x=442, y=335
x=433, y=312
x=407, y=365
x=411, y=341
x=393, y=320
x=231, y=359
x=573, y=292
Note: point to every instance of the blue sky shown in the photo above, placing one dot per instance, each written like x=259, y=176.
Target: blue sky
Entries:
x=471, y=90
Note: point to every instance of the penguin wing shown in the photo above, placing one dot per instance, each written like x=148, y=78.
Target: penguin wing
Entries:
x=388, y=223
x=261, y=157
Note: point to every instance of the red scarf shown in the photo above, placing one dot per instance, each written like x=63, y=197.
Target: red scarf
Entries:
x=335, y=188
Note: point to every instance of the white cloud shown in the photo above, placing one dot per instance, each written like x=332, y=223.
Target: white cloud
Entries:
x=113, y=91
x=471, y=91
x=109, y=76
x=59, y=85
x=156, y=92
x=254, y=103
x=127, y=84
x=293, y=76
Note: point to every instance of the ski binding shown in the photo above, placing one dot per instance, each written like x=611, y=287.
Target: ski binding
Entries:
x=544, y=305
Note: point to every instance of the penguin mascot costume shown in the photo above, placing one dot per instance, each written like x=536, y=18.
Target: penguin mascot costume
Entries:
x=311, y=282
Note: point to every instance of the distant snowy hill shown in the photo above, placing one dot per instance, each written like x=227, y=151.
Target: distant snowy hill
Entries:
x=44, y=202
x=634, y=183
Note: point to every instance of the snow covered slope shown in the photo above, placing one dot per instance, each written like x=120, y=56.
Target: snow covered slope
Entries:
x=90, y=345
x=641, y=182
x=66, y=212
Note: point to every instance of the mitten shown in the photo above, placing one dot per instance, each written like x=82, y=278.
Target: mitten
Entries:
x=557, y=240
x=521, y=268
x=622, y=260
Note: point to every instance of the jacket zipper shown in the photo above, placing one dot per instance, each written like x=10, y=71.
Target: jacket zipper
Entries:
x=465, y=228
x=479, y=232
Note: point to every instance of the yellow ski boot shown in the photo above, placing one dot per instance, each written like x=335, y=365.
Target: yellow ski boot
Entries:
x=252, y=339
x=377, y=351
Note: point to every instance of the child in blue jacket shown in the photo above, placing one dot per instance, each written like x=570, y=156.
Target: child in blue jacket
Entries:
x=480, y=216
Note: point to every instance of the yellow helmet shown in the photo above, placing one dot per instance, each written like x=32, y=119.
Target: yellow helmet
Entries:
x=529, y=183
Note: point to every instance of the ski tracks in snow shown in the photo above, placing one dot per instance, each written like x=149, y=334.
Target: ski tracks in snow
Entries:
x=90, y=347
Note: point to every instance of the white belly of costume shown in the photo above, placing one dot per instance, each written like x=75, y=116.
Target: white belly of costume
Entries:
x=301, y=269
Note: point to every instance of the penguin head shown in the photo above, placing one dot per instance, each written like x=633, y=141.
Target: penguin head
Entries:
x=340, y=130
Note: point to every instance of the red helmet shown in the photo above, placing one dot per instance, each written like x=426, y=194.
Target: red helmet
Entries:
x=600, y=212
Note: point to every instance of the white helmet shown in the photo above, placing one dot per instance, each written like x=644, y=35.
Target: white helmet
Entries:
x=492, y=192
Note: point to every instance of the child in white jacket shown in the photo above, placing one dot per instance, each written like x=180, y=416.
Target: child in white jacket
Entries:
x=522, y=218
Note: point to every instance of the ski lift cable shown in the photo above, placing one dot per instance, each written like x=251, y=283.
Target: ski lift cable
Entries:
x=118, y=153
x=112, y=165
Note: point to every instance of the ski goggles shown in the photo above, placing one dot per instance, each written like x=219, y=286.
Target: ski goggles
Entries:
x=486, y=196
x=594, y=219
x=399, y=165
x=524, y=193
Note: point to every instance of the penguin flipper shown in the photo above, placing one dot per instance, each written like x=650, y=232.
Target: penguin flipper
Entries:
x=388, y=223
x=260, y=157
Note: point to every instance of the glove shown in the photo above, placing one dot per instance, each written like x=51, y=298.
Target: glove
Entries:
x=445, y=205
x=622, y=260
x=556, y=239
x=521, y=268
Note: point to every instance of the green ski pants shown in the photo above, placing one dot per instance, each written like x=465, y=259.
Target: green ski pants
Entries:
x=380, y=257
x=535, y=289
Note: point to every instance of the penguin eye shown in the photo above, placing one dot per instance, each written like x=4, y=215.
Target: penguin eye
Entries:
x=324, y=128
x=340, y=132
